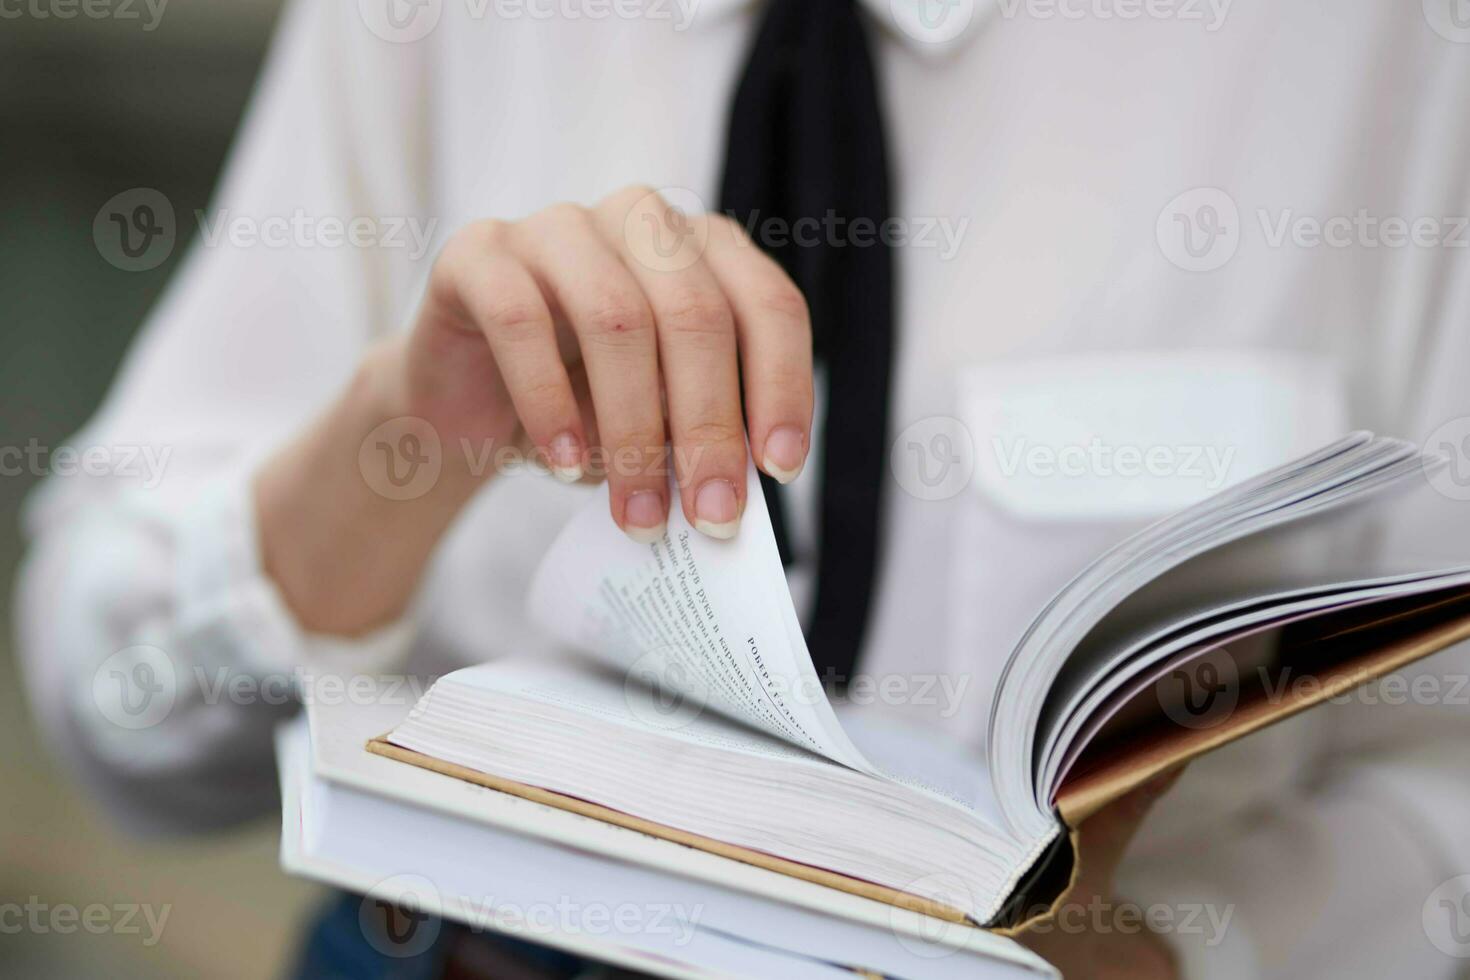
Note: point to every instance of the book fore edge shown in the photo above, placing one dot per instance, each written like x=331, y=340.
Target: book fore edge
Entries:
x=794, y=869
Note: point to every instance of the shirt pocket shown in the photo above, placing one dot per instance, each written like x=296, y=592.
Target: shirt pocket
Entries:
x=1074, y=453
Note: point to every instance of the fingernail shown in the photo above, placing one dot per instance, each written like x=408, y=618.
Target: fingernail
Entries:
x=785, y=453
x=717, y=510
x=565, y=453
x=643, y=516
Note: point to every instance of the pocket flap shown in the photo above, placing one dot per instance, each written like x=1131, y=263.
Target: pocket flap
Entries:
x=1140, y=434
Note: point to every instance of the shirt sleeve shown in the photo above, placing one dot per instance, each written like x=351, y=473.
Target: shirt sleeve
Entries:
x=1356, y=861
x=157, y=654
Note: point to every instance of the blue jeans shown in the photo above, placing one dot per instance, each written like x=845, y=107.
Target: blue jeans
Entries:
x=350, y=942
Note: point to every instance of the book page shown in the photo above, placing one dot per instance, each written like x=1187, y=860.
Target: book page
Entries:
x=701, y=621
x=595, y=693
x=910, y=756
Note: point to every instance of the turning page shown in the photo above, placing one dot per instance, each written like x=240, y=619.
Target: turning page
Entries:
x=694, y=618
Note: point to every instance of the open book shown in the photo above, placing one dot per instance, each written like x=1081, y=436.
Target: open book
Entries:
x=696, y=714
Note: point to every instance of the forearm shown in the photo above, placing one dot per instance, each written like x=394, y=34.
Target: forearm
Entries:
x=351, y=510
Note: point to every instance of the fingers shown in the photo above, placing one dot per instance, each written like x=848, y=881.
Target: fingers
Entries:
x=775, y=335
x=503, y=299
x=697, y=348
x=590, y=287
x=672, y=314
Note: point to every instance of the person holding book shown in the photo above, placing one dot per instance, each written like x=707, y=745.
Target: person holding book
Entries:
x=802, y=230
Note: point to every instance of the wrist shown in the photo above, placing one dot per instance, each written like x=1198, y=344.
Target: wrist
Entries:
x=350, y=511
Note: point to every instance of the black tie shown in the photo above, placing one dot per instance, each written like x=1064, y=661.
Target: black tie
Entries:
x=806, y=172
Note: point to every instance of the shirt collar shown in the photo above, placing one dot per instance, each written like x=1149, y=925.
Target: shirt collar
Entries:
x=931, y=27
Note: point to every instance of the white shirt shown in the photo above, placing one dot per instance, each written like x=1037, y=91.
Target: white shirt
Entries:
x=1086, y=179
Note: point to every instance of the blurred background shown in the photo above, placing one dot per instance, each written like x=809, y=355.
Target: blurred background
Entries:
x=90, y=106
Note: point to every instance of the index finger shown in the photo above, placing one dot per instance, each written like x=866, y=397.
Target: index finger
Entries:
x=774, y=331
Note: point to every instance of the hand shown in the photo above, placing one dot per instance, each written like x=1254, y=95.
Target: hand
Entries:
x=595, y=336
x=579, y=324
x=1081, y=939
